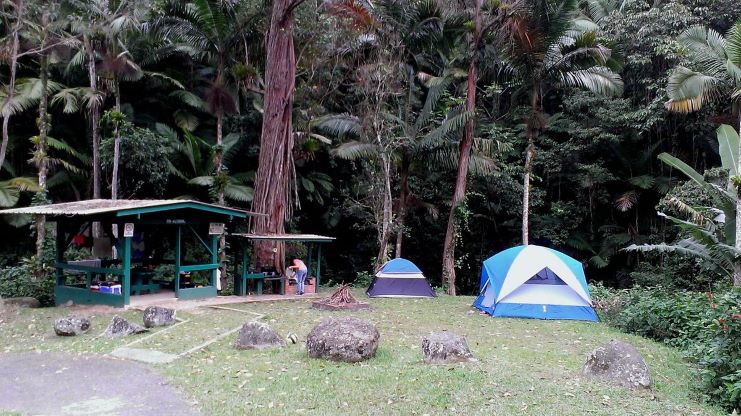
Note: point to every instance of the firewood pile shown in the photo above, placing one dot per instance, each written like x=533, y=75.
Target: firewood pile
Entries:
x=341, y=299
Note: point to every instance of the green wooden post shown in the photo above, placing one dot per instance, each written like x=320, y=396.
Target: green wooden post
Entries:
x=214, y=257
x=318, y=266
x=60, y=253
x=308, y=259
x=126, y=267
x=244, y=261
x=243, y=288
x=177, y=261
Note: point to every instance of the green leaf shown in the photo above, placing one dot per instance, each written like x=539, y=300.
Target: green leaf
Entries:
x=728, y=146
x=682, y=167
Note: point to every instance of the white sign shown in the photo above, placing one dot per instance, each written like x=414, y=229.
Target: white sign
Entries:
x=215, y=228
x=128, y=230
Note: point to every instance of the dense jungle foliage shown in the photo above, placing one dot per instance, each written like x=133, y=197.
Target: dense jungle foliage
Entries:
x=378, y=116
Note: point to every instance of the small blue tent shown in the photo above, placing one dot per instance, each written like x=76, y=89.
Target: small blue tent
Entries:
x=400, y=278
x=534, y=282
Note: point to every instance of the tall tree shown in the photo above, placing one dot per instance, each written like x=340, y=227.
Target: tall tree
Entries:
x=459, y=192
x=85, y=22
x=543, y=48
x=718, y=77
x=275, y=168
x=13, y=20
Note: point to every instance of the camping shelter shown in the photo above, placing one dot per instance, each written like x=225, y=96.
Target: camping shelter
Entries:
x=311, y=240
x=170, y=219
x=400, y=278
x=534, y=282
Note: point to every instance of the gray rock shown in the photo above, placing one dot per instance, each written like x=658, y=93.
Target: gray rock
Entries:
x=346, y=339
x=158, y=316
x=445, y=347
x=619, y=363
x=71, y=325
x=23, y=302
x=120, y=327
x=257, y=336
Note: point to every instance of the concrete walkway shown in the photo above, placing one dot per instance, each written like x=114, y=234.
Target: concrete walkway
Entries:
x=168, y=301
x=66, y=385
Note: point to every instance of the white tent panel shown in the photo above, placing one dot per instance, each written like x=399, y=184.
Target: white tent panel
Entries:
x=529, y=262
x=488, y=295
x=401, y=275
x=545, y=295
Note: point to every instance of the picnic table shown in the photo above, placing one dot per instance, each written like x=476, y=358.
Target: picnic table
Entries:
x=241, y=282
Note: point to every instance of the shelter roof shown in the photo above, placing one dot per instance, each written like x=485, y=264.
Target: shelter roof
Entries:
x=314, y=238
x=123, y=208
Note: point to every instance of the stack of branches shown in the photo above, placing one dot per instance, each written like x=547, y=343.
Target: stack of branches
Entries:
x=341, y=299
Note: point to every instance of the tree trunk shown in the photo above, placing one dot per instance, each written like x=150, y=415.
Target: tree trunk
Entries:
x=7, y=111
x=219, y=155
x=403, y=197
x=737, y=262
x=463, y=159
x=94, y=115
x=275, y=164
x=532, y=130
x=387, y=213
x=116, y=142
x=41, y=151
x=218, y=163
x=529, y=156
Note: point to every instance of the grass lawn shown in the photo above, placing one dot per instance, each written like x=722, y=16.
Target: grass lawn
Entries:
x=524, y=367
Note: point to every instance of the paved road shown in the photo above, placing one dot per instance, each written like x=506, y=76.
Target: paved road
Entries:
x=65, y=385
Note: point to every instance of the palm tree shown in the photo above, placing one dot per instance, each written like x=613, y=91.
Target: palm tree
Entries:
x=211, y=31
x=85, y=22
x=190, y=161
x=543, y=48
x=718, y=76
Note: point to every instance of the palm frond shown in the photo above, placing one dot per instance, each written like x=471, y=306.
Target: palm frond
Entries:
x=338, y=125
x=597, y=79
x=239, y=193
x=202, y=181
x=356, y=150
x=688, y=90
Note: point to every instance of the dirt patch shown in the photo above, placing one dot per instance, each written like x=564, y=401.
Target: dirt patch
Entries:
x=62, y=384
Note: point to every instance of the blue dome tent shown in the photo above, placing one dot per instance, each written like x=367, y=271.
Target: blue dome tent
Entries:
x=534, y=282
x=400, y=278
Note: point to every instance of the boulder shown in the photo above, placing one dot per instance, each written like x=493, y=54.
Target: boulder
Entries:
x=347, y=339
x=445, y=347
x=257, y=336
x=120, y=327
x=23, y=302
x=158, y=316
x=619, y=363
x=71, y=325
